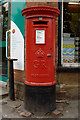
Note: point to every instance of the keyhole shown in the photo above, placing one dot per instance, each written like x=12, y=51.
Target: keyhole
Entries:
x=50, y=48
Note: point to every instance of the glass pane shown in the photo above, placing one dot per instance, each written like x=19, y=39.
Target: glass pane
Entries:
x=3, y=29
x=5, y=21
x=71, y=33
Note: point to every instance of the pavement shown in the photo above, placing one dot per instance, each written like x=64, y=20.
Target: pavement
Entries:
x=10, y=109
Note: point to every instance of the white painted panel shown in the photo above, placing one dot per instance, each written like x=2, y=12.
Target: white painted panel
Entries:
x=17, y=47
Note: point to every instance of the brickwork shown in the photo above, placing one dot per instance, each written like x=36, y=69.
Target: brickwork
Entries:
x=69, y=82
x=19, y=75
x=68, y=78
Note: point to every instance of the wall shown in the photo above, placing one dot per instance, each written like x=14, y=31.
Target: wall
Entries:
x=69, y=82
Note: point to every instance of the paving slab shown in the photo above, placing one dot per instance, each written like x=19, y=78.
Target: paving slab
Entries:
x=9, y=112
x=71, y=111
x=10, y=109
x=14, y=104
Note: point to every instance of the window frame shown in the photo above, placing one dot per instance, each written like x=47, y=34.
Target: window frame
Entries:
x=62, y=67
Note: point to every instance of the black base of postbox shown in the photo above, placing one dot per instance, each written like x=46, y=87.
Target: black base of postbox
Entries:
x=40, y=99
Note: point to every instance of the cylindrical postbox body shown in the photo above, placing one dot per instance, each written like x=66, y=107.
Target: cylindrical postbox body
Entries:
x=40, y=92
x=40, y=25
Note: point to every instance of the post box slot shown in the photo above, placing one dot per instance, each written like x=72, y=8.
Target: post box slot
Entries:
x=40, y=22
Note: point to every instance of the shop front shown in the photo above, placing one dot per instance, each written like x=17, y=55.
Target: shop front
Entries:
x=69, y=47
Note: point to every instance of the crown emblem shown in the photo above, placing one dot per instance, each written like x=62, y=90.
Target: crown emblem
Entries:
x=40, y=53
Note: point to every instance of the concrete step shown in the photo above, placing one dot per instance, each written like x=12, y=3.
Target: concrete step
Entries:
x=3, y=92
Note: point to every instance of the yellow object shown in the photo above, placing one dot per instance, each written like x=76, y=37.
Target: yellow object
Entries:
x=68, y=46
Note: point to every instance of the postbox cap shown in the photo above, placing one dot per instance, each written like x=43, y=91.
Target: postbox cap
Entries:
x=40, y=11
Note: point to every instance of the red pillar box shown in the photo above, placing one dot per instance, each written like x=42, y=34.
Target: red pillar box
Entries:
x=40, y=35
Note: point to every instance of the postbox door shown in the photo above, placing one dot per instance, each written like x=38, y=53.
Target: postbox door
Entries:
x=40, y=56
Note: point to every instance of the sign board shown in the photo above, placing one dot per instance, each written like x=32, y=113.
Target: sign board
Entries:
x=17, y=47
x=40, y=36
x=68, y=50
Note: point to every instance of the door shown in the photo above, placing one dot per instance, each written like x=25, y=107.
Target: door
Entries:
x=3, y=29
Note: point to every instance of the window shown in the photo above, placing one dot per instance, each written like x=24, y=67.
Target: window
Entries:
x=70, y=34
x=3, y=29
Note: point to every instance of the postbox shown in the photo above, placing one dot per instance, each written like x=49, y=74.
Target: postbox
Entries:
x=40, y=34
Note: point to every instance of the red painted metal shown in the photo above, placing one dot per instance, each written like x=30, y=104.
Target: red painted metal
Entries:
x=40, y=58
